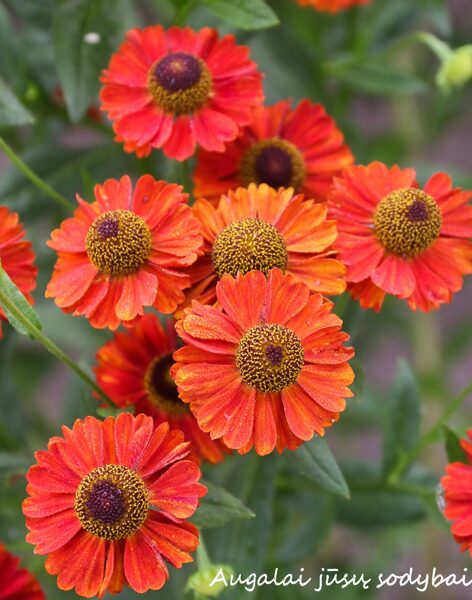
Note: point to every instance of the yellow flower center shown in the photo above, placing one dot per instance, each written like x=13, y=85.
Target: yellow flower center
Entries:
x=180, y=83
x=160, y=387
x=249, y=245
x=407, y=222
x=118, y=242
x=276, y=162
x=269, y=357
x=111, y=502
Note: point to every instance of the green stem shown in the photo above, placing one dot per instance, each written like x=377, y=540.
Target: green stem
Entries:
x=37, y=335
x=35, y=179
x=203, y=559
x=430, y=436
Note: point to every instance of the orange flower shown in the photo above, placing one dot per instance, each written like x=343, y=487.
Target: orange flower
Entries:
x=133, y=369
x=258, y=228
x=300, y=148
x=399, y=239
x=269, y=369
x=16, y=256
x=177, y=88
x=108, y=503
x=457, y=485
x=16, y=583
x=125, y=251
x=331, y=6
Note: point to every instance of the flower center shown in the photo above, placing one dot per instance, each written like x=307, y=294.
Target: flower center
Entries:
x=118, y=242
x=160, y=387
x=407, y=222
x=179, y=83
x=249, y=245
x=111, y=502
x=269, y=357
x=274, y=161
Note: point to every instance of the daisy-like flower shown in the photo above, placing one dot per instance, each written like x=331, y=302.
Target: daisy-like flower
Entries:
x=177, y=88
x=108, y=502
x=457, y=486
x=16, y=256
x=258, y=228
x=16, y=583
x=125, y=251
x=331, y=6
x=300, y=148
x=269, y=369
x=397, y=238
x=134, y=369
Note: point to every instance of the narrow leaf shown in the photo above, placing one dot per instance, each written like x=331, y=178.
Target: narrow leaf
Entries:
x=12, y=112
x=219, y=507
x=402, y=423
x=245, y=14
x=11, y=295
x=84, y=32
x=316, y=463
x=454, y=450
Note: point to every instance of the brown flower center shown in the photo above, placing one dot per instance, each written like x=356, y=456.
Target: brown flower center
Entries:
x=276, y=162
x=160, y=387
x=407, y=222
x=269, y=357
x=249, y=245
x=180, y=83
x=118, y=242
x=111, y=502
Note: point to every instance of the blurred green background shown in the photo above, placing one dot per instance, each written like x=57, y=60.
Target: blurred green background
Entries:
x=379, y=84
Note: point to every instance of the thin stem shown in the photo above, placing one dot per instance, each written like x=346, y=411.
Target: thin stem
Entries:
x=430, y=436
x=35, y=179
x=203, y=560
x=37, y=335
x=183, y=11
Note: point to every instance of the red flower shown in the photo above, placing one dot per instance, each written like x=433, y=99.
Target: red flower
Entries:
x=331, y=6
x=398, y=239
x=133, y=369
x=269, y=369
x=16, y=583
x=125, y=251
x=457, y=485
x=300, y=148
x=258, y=228
x=16, y=255
x=177, y=88
x=108, y=503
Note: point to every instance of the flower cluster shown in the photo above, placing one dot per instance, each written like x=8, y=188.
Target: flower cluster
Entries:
x=252, y=354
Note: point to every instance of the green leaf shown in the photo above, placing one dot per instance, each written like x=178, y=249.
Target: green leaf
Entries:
x=10, y=296
x=403, y=418
x=374, y=77
x=12, y=112
x=316, y=463
x=297, y=517
x=454, y=450
x=219, y=507
x=85, y=33
x=245, y=14
x=374, y=504
x=243, y=544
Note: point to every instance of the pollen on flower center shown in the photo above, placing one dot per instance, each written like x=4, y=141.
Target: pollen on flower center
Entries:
x=160, y=387
x=249, y=245
x=269, y=357
x=111, y=502
x=276, y=162
x=407, y=222
x=118, y=242
x=180, y=83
